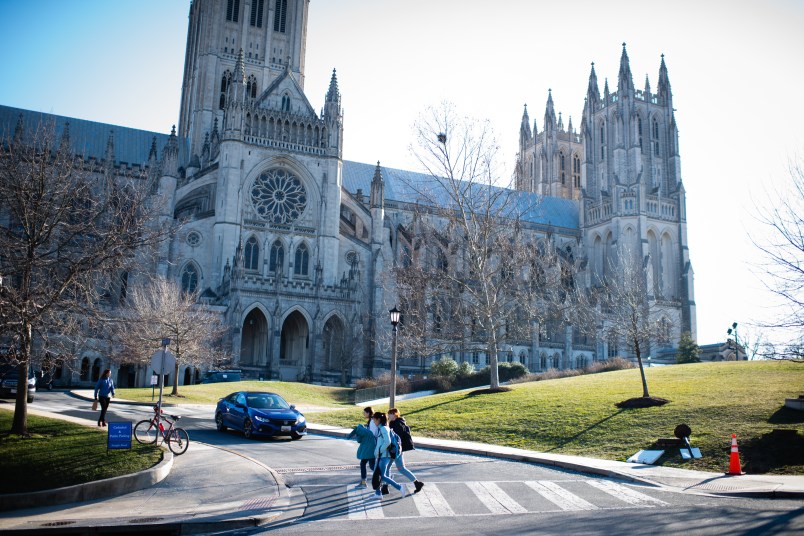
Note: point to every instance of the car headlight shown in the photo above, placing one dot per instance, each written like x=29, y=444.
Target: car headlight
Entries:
x=300, y=419
x=260, y=419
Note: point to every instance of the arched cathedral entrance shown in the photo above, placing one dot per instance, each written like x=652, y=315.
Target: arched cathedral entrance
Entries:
x=338, y=356
x=254, y=344
x=294, y=364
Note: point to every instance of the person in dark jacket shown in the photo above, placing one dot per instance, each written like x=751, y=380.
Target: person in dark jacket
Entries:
x=365, y=451
x=104, y=391
x=398, y=425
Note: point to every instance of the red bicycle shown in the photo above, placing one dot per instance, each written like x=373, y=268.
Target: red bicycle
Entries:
x=148, y=431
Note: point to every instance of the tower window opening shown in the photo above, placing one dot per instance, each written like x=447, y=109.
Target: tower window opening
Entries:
x=252, y=254
x=256, y=13
x=280, y=15
x=232, y=10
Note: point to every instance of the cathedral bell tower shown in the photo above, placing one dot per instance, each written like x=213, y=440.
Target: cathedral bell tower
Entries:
x=272, y=36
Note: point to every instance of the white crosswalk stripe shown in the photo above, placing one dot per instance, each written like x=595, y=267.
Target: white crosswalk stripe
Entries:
x=559, y=496
x=363, y=504
x=625, y=494
x=495, y=499
x=431, y=503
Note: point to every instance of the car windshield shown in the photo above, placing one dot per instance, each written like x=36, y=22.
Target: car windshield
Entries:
x=265, y=401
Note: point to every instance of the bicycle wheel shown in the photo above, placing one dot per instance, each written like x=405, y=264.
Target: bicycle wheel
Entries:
x=178, y=441
x=145, y=432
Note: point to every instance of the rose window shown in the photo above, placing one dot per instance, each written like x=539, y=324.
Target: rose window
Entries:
x=279, y=196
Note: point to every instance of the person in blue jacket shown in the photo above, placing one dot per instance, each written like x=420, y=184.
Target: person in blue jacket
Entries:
x=104, y=391
x=365, y=450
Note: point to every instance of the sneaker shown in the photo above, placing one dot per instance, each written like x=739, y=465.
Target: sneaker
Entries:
x=404, y=491
x=362, y=484
x=418, y=485
x=378, y=494
x=385, y=489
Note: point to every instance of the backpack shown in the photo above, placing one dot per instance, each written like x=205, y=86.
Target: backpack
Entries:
x=394, y=448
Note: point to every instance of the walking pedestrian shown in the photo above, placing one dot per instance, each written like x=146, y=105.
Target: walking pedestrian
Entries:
x=365, y=450
x=104, y=391
x=381, y=453
x=398, y=425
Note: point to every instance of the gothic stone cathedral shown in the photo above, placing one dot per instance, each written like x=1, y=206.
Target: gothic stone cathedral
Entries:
x=292, y=244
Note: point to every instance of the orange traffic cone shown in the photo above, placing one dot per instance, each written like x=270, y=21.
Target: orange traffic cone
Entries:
x=734, y=459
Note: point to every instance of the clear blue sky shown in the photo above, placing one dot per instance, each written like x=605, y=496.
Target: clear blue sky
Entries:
x=735, y=70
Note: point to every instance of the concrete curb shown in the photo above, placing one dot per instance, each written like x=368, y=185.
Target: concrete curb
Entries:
x=98, y=489
x=123, y=402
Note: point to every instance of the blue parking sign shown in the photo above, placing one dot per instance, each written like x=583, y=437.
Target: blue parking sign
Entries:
x=119, y=435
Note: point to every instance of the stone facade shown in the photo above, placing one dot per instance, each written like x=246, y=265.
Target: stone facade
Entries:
x=293, y=244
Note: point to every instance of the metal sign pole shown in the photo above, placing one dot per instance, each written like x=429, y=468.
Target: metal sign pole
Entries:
x=165, y=343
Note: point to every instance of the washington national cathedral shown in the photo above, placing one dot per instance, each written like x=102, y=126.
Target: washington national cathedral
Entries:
x=293, y=245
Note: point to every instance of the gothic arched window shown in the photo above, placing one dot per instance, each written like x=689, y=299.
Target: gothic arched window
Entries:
x=655, y=137
x=639, y=130
x=277, y=259
x=189, y=278
x=562, y=166
x=252, y=254
x=576, y=170
x=225, y=80
x=302, y=260
x=256, y=13
x=251, y=87
x=602, y=141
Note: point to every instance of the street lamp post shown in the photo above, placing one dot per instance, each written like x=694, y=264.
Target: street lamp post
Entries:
x=395, y=314
x=733, y=329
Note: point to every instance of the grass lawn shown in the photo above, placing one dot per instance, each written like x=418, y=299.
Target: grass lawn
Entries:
x=60, y=453
x=578, y=416
x=208, y=393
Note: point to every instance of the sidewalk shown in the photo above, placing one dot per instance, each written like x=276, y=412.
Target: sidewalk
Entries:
x=208, y=489
x=214, y=489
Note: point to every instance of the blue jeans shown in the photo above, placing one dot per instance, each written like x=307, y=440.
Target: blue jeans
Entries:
x=363, y=464
x=385, y=465
x=400, y=466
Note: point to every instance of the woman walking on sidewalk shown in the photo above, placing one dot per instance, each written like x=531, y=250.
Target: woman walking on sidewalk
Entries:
x=381, y=453
x=104, y=391
x=365, y=451
x=398, y=425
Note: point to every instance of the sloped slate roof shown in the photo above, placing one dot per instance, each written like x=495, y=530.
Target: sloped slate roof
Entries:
x=405, y=186
x=89, y=138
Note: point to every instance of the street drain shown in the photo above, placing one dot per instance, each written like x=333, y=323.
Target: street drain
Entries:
x=145, y=520
x=57, y=523
x=260, y=503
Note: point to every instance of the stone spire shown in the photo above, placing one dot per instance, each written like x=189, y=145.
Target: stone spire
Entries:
x=664, y=93
x=333, y=95
x=606, y=93
x=592, y=91
x=549, y=113
x=647, y=88
x=625, y=82
x=560, y=122
x=110, y=148
x=170, y=155
x=64, y=145
x=377, y=197
x=569, y=125
x=152, y=154
x=525, y=134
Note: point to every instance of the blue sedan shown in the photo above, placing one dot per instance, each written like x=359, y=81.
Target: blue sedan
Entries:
x=259, y=414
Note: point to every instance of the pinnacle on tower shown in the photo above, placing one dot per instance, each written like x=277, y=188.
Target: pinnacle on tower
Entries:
x=606, y=92
x=524, y=129
x=549, y=112
x=569, y=125
x=560, y=122
x=110, y=148
x=625, y=82
x=240, y=69
x=592, y=92
x=333, y=95
x=647, y=87
x=152, y=154
x=663, y=92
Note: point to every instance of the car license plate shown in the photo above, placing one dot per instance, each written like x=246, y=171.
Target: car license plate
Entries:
x=13, y=391
x=286, y=428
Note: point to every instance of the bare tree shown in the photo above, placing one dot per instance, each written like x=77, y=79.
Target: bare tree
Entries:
x=160, y=309
x=783, y=269
x=463, y=279
x=622, y=307
x=68, y=227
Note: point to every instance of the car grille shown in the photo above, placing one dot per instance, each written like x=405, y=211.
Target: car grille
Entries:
x=282, y=422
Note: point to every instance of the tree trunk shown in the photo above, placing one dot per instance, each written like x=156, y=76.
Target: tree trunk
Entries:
x=175, y=390
x=645, y=393
x=20, y=423
x=494, y=372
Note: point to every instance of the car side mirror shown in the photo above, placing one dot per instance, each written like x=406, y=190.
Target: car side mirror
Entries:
x=293, y=406
x=239, y=405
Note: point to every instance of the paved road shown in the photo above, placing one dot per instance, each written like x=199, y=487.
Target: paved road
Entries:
x=464, y=494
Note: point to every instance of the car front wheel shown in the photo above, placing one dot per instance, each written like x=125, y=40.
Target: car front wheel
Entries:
x=219, y=423
x=295, y=436
x=247, y=430
x=30, y=399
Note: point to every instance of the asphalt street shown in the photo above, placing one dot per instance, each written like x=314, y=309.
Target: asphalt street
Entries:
x=463, y=494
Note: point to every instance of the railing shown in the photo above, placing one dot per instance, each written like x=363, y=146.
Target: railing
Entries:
x=384, y=391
